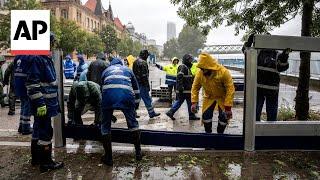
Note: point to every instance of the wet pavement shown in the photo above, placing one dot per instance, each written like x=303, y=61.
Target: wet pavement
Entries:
x=82, y=158
x=173, y=165
x=9, y=124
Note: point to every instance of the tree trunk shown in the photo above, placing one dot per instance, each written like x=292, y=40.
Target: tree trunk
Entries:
x=302, y=96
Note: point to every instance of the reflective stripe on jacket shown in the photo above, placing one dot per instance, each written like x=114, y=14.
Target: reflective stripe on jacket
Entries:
x=171, y=73
x=120, y=88
x=184, y=79
x=22, y=64
x=270, y=64
x=42, y=85
x=69, y=68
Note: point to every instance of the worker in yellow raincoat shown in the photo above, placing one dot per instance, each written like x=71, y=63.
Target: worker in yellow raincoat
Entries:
x=130, y=60
x=171, y=74
x=218, y=90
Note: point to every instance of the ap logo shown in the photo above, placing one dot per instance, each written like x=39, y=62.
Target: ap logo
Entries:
x=30, y=32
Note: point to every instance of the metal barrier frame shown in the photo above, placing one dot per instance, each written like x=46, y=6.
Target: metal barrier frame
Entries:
x=277, y=135
x=256, y=135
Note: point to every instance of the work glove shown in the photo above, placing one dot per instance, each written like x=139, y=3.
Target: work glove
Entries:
x=284, y=56
x=228, y=112
x=194, y=108
x=158, y=66
x=42, y=111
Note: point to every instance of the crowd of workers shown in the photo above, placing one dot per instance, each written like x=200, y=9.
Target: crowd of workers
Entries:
x=111, y=83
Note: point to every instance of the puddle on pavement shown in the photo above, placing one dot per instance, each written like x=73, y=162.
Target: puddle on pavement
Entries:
x=203, y=165
x=234, y=171
x=286, y=175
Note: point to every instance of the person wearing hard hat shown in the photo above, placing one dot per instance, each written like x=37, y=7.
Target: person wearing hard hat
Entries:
x=218, y=90
x=2, y=61
x=171, y=74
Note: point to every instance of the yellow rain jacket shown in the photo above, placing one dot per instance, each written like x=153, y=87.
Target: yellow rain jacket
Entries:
x=194, y=69
x=131, y=60
x=217, y=87
x=171, y=72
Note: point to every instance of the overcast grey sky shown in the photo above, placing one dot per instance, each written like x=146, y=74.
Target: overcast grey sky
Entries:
x=151, y=17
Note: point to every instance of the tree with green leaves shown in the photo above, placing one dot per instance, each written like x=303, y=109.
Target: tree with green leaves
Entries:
x=137, y=47
x=69, y=35
x=92, y=45
x=109, y=38
x=190, y=40
x=171, y=48
x=153, y=50
x=5, y=17
x=258, y=17
x=125, y=47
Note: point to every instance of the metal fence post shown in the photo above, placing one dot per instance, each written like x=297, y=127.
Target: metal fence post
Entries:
x=250, y=99
x=59, y=120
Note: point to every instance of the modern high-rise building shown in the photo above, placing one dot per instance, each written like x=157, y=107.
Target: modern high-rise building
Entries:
x=171, y=30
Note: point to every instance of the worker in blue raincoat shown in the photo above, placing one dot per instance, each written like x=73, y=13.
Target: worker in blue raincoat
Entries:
x=120, y=91
x=21, y=65
x=42, y=90
x=69, y=67
x=81, y=67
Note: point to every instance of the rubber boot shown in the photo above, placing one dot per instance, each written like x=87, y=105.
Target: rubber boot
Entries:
x=35, y=154
x=114, y=119
x=208, y=127
x=221, y=128
x=193, y=117
x=170, y=115
x=26, y=129
x=46, y=162
x=11, y=113
x=154, y=114
x=107, y=157
x=136, y=135
x=20, y=128
x=77, y=117
x=137, y=116
x=222, y=123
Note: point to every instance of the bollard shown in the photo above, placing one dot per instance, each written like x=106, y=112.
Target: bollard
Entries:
x=59, y=120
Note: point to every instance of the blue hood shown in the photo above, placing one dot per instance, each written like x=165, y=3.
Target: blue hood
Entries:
x=116, y=61
x=68, y=57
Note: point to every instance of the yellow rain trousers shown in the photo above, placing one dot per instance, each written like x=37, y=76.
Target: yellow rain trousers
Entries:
x=216, y=87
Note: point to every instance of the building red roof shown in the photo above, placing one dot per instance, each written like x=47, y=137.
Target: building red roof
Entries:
x=118, y=24
x=91, y=4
